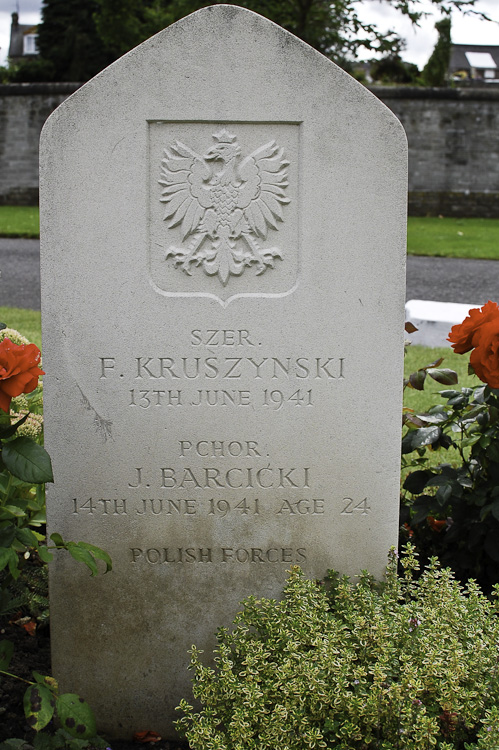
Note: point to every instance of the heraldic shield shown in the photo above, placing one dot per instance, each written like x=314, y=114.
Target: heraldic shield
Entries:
x=223, y=201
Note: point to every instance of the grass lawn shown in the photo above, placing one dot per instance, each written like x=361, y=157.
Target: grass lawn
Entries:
x=27, y=322
x=453, y=238
x=420, y=356
x=19, y=221
x=421, y=401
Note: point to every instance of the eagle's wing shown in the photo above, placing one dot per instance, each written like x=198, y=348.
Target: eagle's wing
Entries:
x=262, y=193
x=184, y=176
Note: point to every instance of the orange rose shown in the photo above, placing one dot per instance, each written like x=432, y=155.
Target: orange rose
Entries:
x=480, y=332
x=462, y=335
x=19, y=370
x=436, y=524
x=484, y=358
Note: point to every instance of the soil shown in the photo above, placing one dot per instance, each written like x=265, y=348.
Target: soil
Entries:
x=32, y=652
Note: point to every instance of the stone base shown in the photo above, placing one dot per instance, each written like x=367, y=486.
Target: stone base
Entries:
x=457, y=204
x=27, y=196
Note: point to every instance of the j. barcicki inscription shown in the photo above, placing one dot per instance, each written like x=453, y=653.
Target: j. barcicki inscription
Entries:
x=289, y=378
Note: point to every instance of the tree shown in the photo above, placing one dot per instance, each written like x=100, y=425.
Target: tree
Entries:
x=331, y=26
x=68, y=40
x=392, y=69
x=436, y=70
x=77, y=38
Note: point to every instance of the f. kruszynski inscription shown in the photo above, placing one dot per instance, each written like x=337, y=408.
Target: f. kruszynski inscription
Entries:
x=256, y=381
x=225, y=205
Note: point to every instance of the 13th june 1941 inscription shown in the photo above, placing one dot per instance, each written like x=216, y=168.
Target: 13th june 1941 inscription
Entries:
x=255, y=381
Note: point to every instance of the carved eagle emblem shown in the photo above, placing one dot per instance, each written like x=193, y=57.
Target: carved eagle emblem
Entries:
x=224, y=204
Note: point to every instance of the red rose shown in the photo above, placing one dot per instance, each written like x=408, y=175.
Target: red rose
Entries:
x=485, y=356
x=19, y=370
x=436, y=524
x=480, y=332
x=463, y=334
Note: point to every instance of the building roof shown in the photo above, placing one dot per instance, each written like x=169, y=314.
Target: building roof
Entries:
x=466, y=56
x=17, y=33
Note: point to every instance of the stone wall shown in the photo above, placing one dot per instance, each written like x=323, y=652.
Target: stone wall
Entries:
x=453, y=139
x=23, y=110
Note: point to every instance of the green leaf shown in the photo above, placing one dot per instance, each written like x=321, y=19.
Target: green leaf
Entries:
x=76, y=716
x=45, y=555
x=419, y=438
x=38, y=519
x=39, y=706
x=495, y=509
x=457, y=401
x=416, y=482
x=6, y=651
x=7, y=557
x=27, y=537
x=492, y=452
x=82, y=555
x=7, y=431
x=99, y=553
x=28, y=461
x=479, y=394
x=14, y=743
x=436, y=418
x=444, y=376
x=58, y=540
x=443, y=494
x=7, y=534
x=416, y=380
x=43, y=741
x=15, y=510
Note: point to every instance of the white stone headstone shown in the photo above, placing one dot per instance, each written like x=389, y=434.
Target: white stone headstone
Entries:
x=223, y=247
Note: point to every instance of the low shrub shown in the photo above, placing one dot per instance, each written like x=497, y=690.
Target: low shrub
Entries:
x=411, y=663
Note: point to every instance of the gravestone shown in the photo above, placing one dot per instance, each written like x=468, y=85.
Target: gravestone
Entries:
x=223, y=234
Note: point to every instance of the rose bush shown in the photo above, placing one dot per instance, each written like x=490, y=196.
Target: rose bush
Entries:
x=25, y=466
x=451, y=510
x=19, y=370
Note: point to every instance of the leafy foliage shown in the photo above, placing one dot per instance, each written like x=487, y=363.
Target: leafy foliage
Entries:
x=77, y=40
x=70, y=49
x=465, y=496
x=25, y=467
x=392, y=69
x=334, y=28
x=436, y=70
x=411, y=663
x=43, y=702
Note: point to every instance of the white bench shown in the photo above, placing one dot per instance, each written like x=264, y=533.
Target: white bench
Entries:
x=434, y=320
